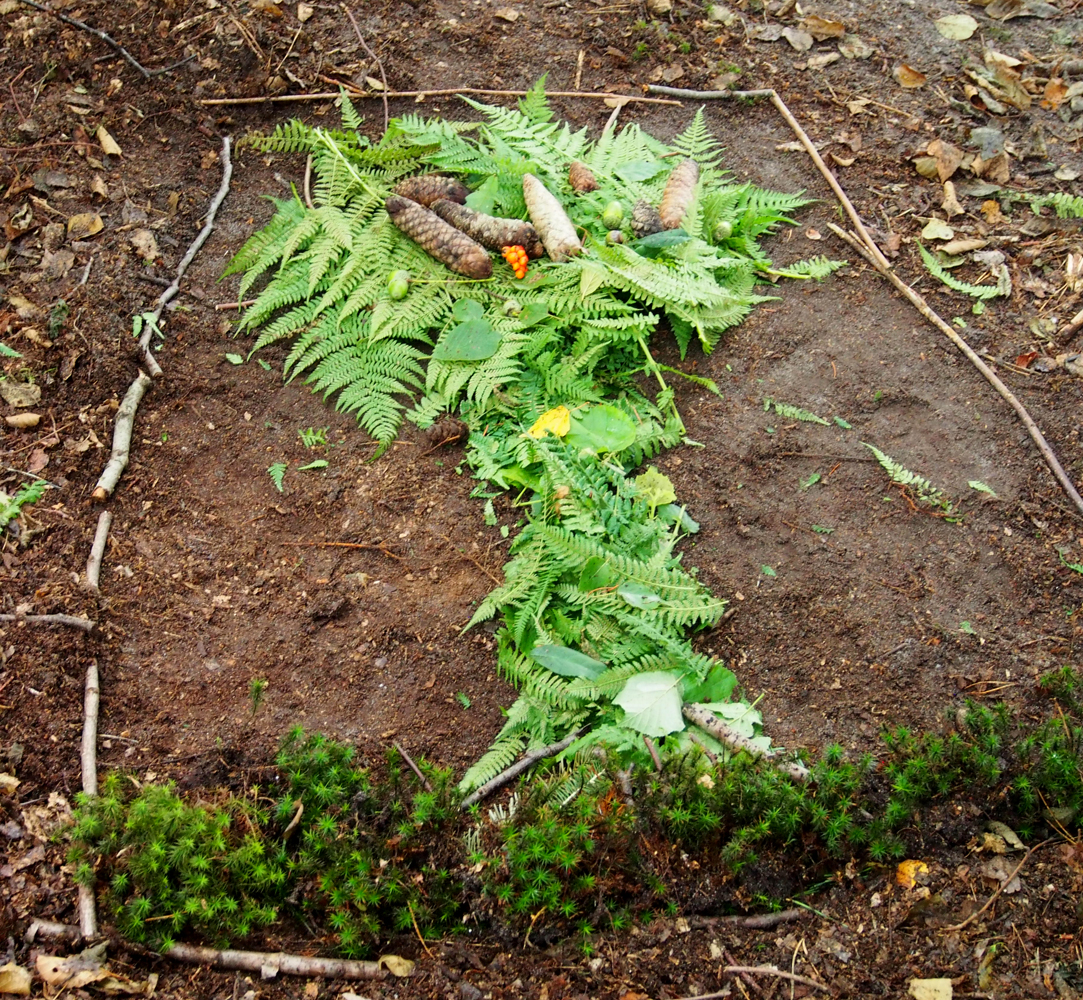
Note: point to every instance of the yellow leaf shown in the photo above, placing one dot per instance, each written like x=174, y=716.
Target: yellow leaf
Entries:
x=84, y=224
x=14, y=979
x=908, y=871
x=397, y=965
x=107, y=142
x=907, y=76
x=557, y=421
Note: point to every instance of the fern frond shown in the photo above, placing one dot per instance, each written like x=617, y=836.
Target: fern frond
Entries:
x=788, y=412
x=982, y=292
x=1067, y=206
x=535, y=105
x=922, y=488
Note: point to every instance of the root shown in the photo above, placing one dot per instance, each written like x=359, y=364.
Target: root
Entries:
x=97, y=551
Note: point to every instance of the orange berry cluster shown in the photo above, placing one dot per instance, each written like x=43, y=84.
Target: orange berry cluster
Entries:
x=516, y=257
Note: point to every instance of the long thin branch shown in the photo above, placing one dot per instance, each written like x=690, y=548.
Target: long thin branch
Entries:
x=88, y=918
x=372, y=56
x=270, y=964
x=208, y=227
x=413, y=767
x=875, y=256
x=525, y=763
x=758, y=922
x=84, y=623
x=97, y=550
x=82, y=25
x=122, y=438
x=760, y=970
x=711, y=723
x=332, y=95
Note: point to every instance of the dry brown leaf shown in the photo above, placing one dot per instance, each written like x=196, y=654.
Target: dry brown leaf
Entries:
x=84, y=224
x=991, y=210
x=800, y=40
x=397, y=965
x=18, y=222
x=821, y=29
x=145, y=245
x=843, y=161
x=22, y=421
x=951, y=204
x=855, y=47
x=1054, y=94
x=305, y=12
x=963, y=246
x=14, y=979
x=821, y=61
x=908, y=77
x=509, y=14
x=20, y=393
x=37, y=461
x=107, y=142
x=948, y=158
x=998, y=169
x=98, y=187
x=927, y=166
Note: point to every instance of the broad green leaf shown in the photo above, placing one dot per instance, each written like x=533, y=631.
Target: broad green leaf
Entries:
x=719, y=685
x=484, y=198
x=567, y=662
x=639, y=170
x=673, y=513
x=639, y=596
x=591, y=278
x=653, y=245
x=655, y=488
x=652, y=703
x=767, y=570
x=473, y=340
x=596, y=574
x=602, y=428
x=743, y=718
x=532, y=314
x=466, y=309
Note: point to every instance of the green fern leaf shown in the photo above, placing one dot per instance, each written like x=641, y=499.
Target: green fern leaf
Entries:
x=982, y=292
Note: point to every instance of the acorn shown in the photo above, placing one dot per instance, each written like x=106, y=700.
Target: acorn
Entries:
x=614, y=236
x=511, y=307
x=613, y=215
x=398, y=285
x=723, y=231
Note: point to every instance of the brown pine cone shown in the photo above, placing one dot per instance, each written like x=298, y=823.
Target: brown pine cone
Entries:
x=489, y=230
x=677, y=197
x=449, y=246
x=581, y=177
x=427, y=188
x=645, y=220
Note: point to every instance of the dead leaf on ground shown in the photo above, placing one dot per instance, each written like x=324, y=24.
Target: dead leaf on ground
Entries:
x=963, y=246
x=957, y=27
x=84, y=224
x=1025, y=360
x=948, y=158
x=19, y=221
x=22, y=421
x=37, y=461
x=1005, y=10
x=800, y=40
x=509, y=14
x=1001, y=870
x=107, y=142
x=991, y=210
x=145, y=245
x=951, y=204
x=305, y=12
x=824, y=60
x=931, y=989
x=15, y=979
x=855, y=47
x=821, y=28
x=860, y=105
x=908, y=77
x=397, y=965
x=98, y=187
x=937, y=229
x=20, y=393
x=907, y=873
x=765, y=33
x=1072, y=855
x=843, y=161
x=1054, y=94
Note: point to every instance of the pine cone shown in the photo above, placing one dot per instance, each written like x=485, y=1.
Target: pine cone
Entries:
x=679, y=192
x=645, y=220
x=581, y=177
x=427, y=188
x=488, y=230
x=438, y=239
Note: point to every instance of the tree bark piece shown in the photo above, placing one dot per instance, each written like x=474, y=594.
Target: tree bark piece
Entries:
x=122, y=438
x=84, y=623
x=521, y=765
x=711, y=723
x=97, y=550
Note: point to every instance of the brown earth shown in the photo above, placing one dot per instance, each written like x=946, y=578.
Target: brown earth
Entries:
x=213, y=579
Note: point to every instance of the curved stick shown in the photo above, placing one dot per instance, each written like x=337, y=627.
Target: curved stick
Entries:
x=84, y=623
x=711, y=723
x=122, y=438
x=97, y=550
x=525, y=763
x=873, y=254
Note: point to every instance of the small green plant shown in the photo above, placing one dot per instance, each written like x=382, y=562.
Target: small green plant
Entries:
x=977, y=484
x=11, y=506
x=975, y=291
x=8, y=352
x=277, y=472
x=821, y=530
x=921, y=489
x=462, y=699
x=811, y=481
x=58, y=316
x=314, y=437
x=640, y=51
x=788, y=412
x=257, y=687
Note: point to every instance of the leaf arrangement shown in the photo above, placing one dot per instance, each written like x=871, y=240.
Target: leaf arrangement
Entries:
x=596, y=606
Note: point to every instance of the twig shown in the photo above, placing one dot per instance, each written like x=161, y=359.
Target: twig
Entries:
x=109, y=40
x=234, y=305
x=344, y=545
x=760, y=970
x=333, y=95
x=417, y=931
x=1069, y=330
x=991, y=377
x=375, y=58
x=871, y=252
x=749, y=981
x=122, y=438
x=307, y=187
x=84, y=623
x=97, y=550
x=653, y=752
x=759, y=922
x=712, y=757
x=1000, y=888
x=413, y=767
x=711, y=723
x=579, y=69
x=208, y=226
x=513, y=772
x=51, y=929
x=88, y=919
x=293, y=822
x=709, y=95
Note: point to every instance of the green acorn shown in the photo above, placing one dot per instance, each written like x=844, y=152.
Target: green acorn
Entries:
x=614, y=236
x=398, y=285
x=613, y=215
x=723, y=231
